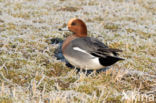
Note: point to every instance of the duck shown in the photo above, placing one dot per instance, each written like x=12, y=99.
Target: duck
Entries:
x=86, y=52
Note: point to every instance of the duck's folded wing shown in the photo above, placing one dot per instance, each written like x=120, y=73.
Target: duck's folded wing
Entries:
x=95, y=47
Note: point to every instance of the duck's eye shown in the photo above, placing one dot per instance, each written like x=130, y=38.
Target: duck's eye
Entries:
x=73, y=23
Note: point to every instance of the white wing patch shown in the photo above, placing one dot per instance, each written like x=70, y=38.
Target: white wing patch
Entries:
x=82, y=50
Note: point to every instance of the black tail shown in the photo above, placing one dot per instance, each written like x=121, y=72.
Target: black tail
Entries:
x=109, y=60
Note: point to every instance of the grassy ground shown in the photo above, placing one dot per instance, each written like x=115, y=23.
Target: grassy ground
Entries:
x=29, y=72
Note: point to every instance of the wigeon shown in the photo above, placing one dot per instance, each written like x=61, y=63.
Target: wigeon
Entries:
x=85, y=52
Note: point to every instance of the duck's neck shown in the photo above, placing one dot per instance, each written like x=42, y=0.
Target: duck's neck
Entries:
x=81, y=34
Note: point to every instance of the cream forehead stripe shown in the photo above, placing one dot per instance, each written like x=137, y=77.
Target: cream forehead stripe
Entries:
x=70, y=21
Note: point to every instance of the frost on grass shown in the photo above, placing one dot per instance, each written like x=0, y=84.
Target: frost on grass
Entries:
x=29, y=72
